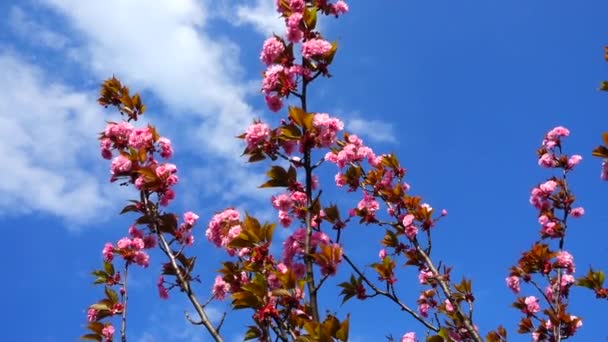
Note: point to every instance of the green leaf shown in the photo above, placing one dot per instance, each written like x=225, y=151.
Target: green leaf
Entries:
x=310, y=17
x=252, y=333
x=100, y=307
x=278, y=177
x=600, y=151
x=109, y=268
x=301, y=118
x=435, y=338
x=342, y=333
x=91, y=337
x=112, y=295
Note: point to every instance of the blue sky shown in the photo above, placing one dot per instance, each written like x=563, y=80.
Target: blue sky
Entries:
x=461, y=91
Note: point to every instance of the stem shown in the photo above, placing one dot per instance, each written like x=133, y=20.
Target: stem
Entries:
x=393, y=297
x=181, y=279
x=123, y=328
x=448, y=293
x=310, y=274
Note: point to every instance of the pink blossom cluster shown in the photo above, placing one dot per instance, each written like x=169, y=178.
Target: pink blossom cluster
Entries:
x=280, y=77
x=257, y=134
x=426, y=301
x=409, y=337
x=327, y=129
x=532, y=305
x=367, y=207
x=272, y=49
x=290, y=205
x=108, y=332
x=220, y=288
x=131, y=249
x=354, y=151
x=550, y=158
x=135, y=149
x=315, y=47
x=224, y=227
x=293, y=247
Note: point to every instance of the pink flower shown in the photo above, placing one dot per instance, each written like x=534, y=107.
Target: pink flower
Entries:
x=282, y=202
x=219, y=231
x=327, y=128
x=424, y=276
x=167, y=196
x=220, y=288
x=382, y=254
x=407, y=220
x=106, y=148
x=273, y=102
x=577, y=212
x=272, y=78
x=119, y=133
x=340, y=7
x=108, y=331
x=424, y=309
x=574, y=160
x=190, y=218
x=141, y=138
x=565, y=260
x=294, y=33
x=369, y=204
x=409, y=337
x=162, y=291
x=137, y=244
x=315, y=47
x=256, y=135
x=566, y=281
x=411, y=231
x=91, y=315
x=448, y=306
x=142, y=259
x=124, y=243
x=108, y=252
x=134, y=232
x=166, y=151
x=297, y=5
x=271, y=50
x=285, y=219
x=548, y=187
x=120, y=165
x=532, y=305
x=513, y=283
x=558, y=132
x=547, y=160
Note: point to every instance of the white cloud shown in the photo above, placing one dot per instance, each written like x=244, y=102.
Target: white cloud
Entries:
x=262, y=15
x=166, y=49
x=47, y=135
x=374, y=130
x=24, y=27
x=170, y=50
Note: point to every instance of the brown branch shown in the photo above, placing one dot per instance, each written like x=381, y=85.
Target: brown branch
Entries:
x=390, y=296
x=123, y=328
x=445, y=287
x=181, y=279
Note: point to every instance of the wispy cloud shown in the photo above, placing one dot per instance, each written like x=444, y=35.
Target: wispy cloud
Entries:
x=45, y=140
x=374, y=130
x=25, y=27
x=171, y=51
x=262, y=15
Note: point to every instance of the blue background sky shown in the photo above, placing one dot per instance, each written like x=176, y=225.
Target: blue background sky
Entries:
x=461, y=91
